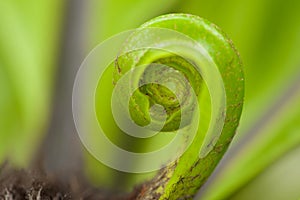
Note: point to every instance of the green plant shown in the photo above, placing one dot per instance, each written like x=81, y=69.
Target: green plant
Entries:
x=183, y=177
x=266, y=32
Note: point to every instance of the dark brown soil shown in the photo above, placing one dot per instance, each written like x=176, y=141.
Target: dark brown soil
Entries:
x=33, y=185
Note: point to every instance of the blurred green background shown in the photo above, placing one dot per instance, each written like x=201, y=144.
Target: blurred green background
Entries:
x=42, y=44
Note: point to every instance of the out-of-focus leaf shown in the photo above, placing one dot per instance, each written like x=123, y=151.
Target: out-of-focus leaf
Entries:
x=108, y=18
x=278, y=182
x=111, y=17
x=28, y=39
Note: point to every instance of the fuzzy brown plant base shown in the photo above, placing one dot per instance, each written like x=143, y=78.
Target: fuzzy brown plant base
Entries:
x=23, y=185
